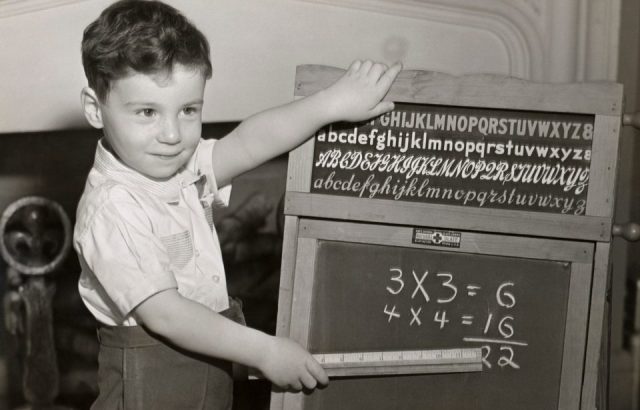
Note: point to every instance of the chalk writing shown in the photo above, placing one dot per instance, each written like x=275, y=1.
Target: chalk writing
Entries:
x=472, y=290
x=398, y=280
x=502, y=294
x=496, y=322
x=507, y=361
x=419, y=285
x=499, y=341
x=441, y=317
x=447, y=284
x=415, y=316
x=392, y=314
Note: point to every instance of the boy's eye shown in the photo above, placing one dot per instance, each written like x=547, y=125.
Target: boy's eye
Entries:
x=190, y=110
x=146, y=112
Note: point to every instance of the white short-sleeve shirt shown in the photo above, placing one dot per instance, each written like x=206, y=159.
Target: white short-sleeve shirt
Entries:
x=136, y=237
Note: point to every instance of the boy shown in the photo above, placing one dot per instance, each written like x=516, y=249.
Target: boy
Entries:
x=152, y=272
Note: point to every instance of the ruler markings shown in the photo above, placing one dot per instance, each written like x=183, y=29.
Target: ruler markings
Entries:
x=401, y=361
x=397, y=362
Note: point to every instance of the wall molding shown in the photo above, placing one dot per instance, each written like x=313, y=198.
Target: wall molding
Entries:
x=539, y=44
x=526, y=28
x=512, y=22
x=9, y=8
x=599, y=45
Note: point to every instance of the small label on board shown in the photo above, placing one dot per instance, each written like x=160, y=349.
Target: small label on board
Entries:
x=434, y=237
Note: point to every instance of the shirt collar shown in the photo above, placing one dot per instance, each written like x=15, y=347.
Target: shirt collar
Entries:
x=109, y=166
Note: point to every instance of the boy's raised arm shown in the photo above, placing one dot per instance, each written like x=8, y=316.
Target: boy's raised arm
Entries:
x=356, y=96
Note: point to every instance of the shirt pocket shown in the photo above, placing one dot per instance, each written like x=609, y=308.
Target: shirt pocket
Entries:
x=179, y=248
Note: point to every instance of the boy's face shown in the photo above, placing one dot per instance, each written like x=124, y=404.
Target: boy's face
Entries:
x=153, y=123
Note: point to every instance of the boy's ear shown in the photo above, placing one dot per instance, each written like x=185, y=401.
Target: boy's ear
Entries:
x=91, y=107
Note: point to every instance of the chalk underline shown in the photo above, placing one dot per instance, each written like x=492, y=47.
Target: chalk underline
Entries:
x=499, y=341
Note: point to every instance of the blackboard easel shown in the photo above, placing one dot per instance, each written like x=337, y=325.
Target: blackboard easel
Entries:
x=501, y=242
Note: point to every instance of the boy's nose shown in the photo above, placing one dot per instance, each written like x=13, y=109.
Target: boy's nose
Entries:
x=171, y=132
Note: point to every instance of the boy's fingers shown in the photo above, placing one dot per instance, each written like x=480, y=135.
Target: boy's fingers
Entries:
x=390, y=75
x=317, y=372
x=355, y=66
x=295, y=385
x=377, y=70
x=308, y=381
x=366, y=66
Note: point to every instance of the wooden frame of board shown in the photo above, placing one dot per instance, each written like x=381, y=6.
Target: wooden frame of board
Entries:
x=578, y=254
x=603, y=100
x=592, y=228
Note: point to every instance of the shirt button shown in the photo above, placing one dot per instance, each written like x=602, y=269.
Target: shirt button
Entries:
x=215, y=278
x=197, y=253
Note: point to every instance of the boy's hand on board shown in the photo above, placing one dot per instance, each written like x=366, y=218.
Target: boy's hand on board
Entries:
x=287, y=365
x=358, y=94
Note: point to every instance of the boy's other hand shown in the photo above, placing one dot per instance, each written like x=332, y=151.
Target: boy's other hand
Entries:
x=358, y=94
x=286, y=364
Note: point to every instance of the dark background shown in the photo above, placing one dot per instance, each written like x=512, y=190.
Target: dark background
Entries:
x=55, y=165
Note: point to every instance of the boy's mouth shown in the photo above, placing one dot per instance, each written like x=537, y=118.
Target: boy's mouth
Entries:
x=167, y=156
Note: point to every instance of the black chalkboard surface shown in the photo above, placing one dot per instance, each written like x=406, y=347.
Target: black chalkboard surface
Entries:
x=372, y=297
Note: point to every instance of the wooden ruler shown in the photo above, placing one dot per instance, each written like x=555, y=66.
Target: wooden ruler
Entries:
x=401, y=362
x=397, y=362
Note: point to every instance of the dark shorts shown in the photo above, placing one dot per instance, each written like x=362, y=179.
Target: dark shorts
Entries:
x=138, y=371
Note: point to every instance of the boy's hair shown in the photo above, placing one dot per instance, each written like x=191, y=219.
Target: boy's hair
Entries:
x=140, y=36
